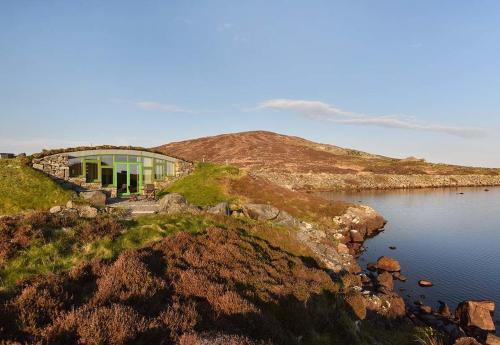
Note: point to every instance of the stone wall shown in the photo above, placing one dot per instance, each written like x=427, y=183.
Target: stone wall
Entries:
x=329, y=182
x=57, y=166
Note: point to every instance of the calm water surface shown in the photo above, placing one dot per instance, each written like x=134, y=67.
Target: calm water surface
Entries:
x=451, y=239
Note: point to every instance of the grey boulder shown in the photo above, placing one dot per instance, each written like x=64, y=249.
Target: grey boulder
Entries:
x=95, y=198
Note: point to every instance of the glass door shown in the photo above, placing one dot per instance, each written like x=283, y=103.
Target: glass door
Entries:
x=128, y=178
x=133, y=177
x=121, y=178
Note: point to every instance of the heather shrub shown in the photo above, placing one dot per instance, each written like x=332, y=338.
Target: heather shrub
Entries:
x=99, y=227
x=219, y=286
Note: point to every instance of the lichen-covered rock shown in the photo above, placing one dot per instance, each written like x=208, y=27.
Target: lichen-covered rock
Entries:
x=220, y=208
x=174, y=203
x=261, y=211
x=95, y=198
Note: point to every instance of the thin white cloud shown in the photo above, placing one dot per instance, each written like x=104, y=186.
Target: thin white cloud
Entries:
x=225, y=27
x=167, y=108
x=323, y=111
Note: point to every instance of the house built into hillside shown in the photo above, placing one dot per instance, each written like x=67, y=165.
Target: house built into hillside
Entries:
x=4, y=155
x=120, y=172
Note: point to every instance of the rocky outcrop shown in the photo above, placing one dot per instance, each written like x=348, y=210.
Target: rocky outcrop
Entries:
x=265, y=212
x=95, y=198
x=476, y=314
x=175, y=203
x=220, y=208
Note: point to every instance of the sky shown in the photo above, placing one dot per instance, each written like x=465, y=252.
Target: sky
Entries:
x=398, y=78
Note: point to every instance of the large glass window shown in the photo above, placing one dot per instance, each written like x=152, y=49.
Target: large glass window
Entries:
x=107, y=160
x=170, y=169
x=91, y=172
x=107, y=176
x=75, y=167
x=121, y=158
x=147, y=176
x=121, y=178
x=148, y=162
x=159, y=171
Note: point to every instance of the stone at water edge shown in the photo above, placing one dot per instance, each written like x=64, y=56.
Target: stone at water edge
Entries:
x=371, y=267
x=385, y=280
x=476, y=314
x=425, y=309
x=466, y=341
x=444, y=310
x=356, y=236
x=492, y=340
x=386, y=263
x=399, y=276
x=425, y=283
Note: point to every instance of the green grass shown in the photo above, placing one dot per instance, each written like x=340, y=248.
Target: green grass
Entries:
x=205, y=186
x=62, y=251
x=22, y=188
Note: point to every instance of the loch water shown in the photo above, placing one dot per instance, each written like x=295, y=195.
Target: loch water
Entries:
x=442, y=235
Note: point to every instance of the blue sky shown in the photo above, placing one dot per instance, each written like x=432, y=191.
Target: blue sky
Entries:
x=398, y=78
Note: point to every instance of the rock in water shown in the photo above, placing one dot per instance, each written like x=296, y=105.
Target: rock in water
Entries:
x=476, y=314
x=386, y=263
x=371, y=266
x=444, y=310
x=425, y=309
x=425, y=283
x=94, y=198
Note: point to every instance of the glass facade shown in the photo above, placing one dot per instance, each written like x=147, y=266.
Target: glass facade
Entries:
x=128, y=173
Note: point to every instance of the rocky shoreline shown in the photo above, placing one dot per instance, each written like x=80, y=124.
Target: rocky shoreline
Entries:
x=338, y=248
x=471, y=323
x=316, y=182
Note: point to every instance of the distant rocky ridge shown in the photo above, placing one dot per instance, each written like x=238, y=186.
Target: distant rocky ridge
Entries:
x=301, y=164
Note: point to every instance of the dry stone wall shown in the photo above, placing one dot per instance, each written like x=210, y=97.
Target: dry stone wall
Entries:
x=328, y=182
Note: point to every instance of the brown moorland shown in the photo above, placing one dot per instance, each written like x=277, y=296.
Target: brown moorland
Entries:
x=219, y=286
x=280, y=156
